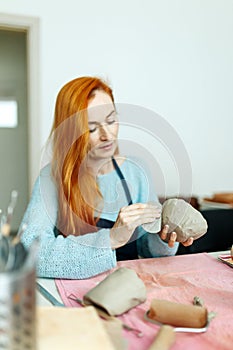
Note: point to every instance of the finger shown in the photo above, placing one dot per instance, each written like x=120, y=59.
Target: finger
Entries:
x=136, y=220
x=145, y=212
x=188, y=242
x=164, y=232
x=133, y=219
x=135, y=206
x=124, y=208
x=172, y=239
x=141, y=206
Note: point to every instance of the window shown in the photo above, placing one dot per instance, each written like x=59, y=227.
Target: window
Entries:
x=8, y=113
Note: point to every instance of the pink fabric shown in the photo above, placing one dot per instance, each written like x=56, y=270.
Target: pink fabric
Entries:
x=178, y=279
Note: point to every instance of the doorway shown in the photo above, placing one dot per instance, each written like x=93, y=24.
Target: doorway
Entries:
x=19, y=86
x=13, y=136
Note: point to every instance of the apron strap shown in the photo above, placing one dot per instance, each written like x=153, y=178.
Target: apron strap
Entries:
x=124, y=183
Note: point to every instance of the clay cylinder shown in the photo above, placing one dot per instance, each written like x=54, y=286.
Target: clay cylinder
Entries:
x=178, y=315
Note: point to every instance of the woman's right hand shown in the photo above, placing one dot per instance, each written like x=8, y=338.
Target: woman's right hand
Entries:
x=129, y=218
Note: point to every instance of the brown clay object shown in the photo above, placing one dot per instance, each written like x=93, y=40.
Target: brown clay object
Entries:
x=178, y=315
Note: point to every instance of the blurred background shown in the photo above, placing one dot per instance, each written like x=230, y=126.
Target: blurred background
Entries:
x=173, y=57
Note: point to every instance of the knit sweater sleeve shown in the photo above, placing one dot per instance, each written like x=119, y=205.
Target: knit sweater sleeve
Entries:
x=63, y=257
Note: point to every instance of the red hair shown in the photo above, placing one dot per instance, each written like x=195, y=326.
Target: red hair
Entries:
x=78, y=193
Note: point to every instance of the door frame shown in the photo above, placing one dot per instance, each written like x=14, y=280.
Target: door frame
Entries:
x=31, y=26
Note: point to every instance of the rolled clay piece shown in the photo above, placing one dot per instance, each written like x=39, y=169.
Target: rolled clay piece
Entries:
x=184, y=219
x=117, y=293
x=164, y=339
x=178, y=315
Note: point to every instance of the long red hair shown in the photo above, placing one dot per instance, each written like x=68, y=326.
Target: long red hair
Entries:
x=78, y=193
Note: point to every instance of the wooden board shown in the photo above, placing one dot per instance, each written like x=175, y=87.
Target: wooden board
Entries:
x=71, y=328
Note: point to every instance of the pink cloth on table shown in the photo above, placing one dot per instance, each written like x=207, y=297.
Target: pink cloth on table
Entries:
x=179, y=279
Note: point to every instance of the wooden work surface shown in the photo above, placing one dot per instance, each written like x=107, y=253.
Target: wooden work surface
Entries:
x=71, y=328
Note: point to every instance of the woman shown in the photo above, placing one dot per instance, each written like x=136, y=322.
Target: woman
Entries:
x=89, y=203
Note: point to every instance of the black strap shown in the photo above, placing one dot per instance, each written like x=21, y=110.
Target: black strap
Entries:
x=124, y=183
x=129, y=250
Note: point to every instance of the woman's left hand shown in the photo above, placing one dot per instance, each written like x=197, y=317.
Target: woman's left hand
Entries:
x=172, y=239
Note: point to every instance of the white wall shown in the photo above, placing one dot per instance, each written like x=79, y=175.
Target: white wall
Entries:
x=174, y=57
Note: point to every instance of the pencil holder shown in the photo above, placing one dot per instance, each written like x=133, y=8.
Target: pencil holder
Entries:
x=17, y=309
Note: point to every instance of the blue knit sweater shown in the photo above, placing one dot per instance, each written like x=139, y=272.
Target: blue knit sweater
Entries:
x=79, y=257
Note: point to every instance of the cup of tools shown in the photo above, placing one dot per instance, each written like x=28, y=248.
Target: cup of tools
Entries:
x=17, y=290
